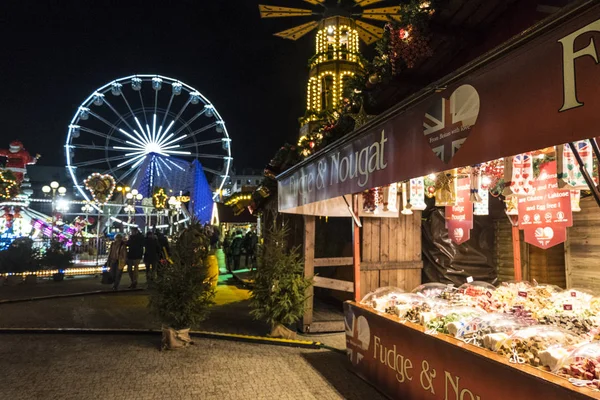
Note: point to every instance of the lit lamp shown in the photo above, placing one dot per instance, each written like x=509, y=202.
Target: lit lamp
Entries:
x=174, y=205
x=52, y=190
x=87, y=208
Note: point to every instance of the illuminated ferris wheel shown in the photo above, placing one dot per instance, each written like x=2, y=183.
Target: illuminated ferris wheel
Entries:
x=145, y=126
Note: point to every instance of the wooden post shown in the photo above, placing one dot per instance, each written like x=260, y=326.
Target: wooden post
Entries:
x=309, y=269
x=356, y=250
x=516, y=242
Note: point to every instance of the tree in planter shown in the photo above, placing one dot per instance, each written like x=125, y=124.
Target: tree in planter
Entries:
x=182, y=291
x=20, y=256
x=279, y=289
x=57, y=257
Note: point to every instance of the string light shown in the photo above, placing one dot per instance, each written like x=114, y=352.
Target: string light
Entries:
x=101, y=190
x=10, y=185
x=159, y=199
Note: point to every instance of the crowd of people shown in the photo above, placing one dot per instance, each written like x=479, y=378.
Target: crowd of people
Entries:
x=236, y=244
x=131, y=252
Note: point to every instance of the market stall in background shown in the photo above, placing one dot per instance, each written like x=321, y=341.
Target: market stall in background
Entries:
x=480, y=182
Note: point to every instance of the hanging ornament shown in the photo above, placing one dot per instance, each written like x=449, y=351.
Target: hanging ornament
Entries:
x=569, y=173
x=417, y=194
x=159, y=199
x=445, y=189
x=377, y=196
x=100, y=186
x=429, y=182
x=512, y=205
x=390, y=198
x=406, y=207
x=518, y=175
x=475, y=175
x=482, y=208
x=368, y=200
x=575, y=198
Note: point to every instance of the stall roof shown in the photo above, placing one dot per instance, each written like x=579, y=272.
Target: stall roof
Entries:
x=227, y=215
x=536, y=90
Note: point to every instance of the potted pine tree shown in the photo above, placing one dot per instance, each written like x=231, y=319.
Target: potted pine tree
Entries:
x=278, y=294
x=182, y=292
x=57, y=257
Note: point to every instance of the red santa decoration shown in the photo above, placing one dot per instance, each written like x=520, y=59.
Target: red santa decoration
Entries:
x=17, y=159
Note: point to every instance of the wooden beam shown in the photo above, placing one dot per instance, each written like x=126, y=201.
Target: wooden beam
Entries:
x=333, y=262
x=387, y=265
x=516, y=241
x=309, y=269
x=356, y=250
x=335, y=284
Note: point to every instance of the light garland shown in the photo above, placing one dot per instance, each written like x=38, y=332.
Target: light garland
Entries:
x=159, y=199
x=8, y=184
x=100, y=186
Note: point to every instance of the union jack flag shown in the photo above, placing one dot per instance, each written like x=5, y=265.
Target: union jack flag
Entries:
x=358, y=337
x=451, y=120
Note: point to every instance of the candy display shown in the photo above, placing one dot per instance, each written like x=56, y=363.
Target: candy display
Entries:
x=528, y=323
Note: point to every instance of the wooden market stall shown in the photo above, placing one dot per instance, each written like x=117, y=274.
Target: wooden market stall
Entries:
x=536, y=91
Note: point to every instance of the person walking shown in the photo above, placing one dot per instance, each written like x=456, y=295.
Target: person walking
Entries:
x=117, y=257
x=237, y=243
x=135, y=253
x=151, y=256
x=250, y=242
x=227, y=250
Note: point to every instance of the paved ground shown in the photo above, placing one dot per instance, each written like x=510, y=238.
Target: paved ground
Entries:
x=130, y=367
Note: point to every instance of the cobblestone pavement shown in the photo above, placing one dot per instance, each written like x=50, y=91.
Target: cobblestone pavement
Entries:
x=56, y=366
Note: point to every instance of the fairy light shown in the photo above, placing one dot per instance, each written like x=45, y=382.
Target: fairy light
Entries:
x=159, y=199
x=10, y=184
x=100, y=197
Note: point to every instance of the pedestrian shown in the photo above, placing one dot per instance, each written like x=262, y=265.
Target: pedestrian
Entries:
x=214, y=238
x=151, y=256
x=117, y=257
x=164, y=244
x=250, y=243
x=135, y=253
x=227, y=250
x=237, y=243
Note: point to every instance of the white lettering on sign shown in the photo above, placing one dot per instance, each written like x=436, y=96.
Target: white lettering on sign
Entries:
x=393, y=360
x=569, y=56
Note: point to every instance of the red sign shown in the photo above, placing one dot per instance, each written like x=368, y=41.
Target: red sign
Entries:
x=562, y=101
x=459, y=218
x=545, y=236
x=405, y=363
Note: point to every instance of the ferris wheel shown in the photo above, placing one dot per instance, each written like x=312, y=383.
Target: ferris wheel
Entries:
x=147, y=125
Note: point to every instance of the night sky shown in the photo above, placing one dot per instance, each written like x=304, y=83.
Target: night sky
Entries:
x=56, y=53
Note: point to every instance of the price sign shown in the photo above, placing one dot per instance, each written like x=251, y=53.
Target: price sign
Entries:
x=573, y=294
x=522, y=294
x=459, y=218
x=568, y=307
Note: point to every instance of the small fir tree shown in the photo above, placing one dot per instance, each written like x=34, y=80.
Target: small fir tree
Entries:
x=279, y=286
x=182, y=293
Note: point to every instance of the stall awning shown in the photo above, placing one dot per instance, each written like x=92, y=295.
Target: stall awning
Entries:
x=538, y=90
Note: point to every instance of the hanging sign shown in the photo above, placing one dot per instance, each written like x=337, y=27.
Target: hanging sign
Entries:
x=459, y=218
x=417, y=194
x=545, y=214
x=569, y=172
x=482, y=208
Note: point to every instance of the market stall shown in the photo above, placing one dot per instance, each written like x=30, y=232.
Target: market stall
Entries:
x=517, y=124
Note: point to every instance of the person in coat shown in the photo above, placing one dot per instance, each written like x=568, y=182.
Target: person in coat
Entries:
x=237, y=243
x=117, y=258
x=135, y=253
x=151, y=256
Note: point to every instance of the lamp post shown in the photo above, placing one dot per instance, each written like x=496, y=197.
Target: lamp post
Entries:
x=87, y=208
x=174, y=205
x=52, y=190
x=132, y=197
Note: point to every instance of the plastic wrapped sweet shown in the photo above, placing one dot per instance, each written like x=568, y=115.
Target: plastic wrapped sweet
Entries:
x=448, y=319
x=571, y=302
x=434, y=290
x=382, y=298
x=425, y=310
x=485, y=329
x=538, y=345
x=582, y=365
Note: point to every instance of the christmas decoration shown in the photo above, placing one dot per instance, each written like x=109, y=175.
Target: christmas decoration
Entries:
x=445, y=189
x=575, y=198
x=475, y=175
x=9, y=186
x=410, y=44
x=159, y=199
x=100, y=186
x=390, y=198
x=371, y=200
x=482, y=208
x=417, y=194
x=406, y=206
x=18, y=159
x=569, y=173
x=518, y=172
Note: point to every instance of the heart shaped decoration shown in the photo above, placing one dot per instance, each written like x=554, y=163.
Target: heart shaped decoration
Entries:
x=100, y=186
x=448, y=122
x=459, y=233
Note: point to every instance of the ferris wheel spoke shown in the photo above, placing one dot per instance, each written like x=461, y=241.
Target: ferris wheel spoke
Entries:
x=166, y=113
x=174, y=164
x=100, y=161
x=118, y=114
x=213, y=156
x=164, y=134
x=195, y=117
x=88, y=147
x=99, y=118
x=143, y=108
x=103, y=135
x=202, y=143
x=212, y=171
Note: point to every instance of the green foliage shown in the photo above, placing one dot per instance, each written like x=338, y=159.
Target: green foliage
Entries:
x=57, y=257
x=279, y=285
x=19, y=257
x=182, y=293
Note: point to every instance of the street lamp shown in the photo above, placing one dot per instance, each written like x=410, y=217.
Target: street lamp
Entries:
x=87, y=208
x=52, y=190
x=131, y=197
x=175, y=206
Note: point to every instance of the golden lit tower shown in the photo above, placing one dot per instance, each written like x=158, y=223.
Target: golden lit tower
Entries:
x=337, y=54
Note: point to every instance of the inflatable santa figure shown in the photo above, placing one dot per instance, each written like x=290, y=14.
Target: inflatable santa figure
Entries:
x=17, y=159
